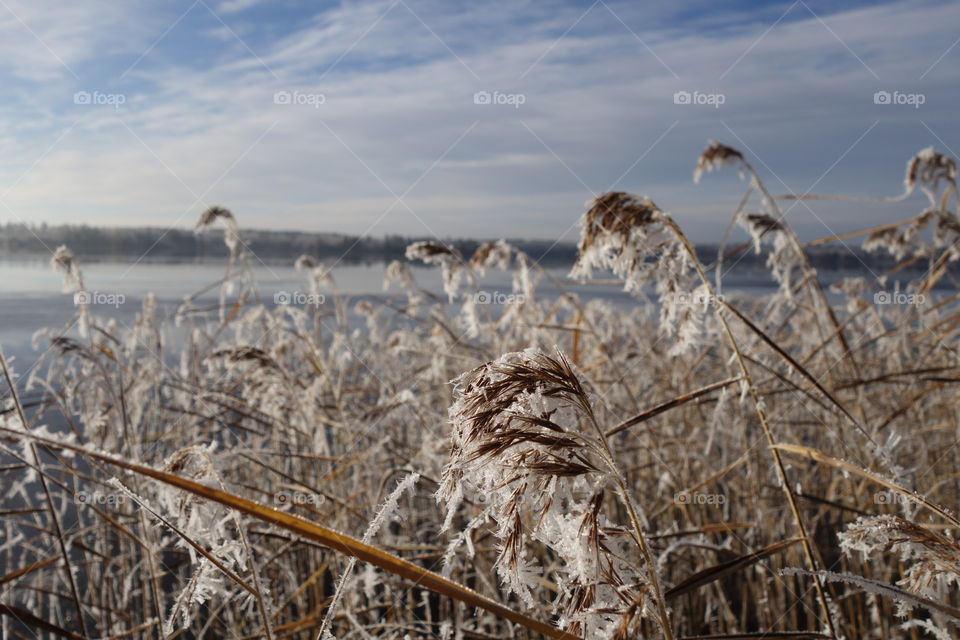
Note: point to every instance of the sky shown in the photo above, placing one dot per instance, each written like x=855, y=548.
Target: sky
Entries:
x=454, y=119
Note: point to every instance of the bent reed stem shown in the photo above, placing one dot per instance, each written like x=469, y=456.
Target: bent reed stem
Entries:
x=762, y=417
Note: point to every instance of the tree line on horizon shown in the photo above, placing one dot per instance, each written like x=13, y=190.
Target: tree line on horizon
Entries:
x=166, y=244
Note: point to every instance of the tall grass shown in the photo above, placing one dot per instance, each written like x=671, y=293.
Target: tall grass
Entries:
x=700, y=464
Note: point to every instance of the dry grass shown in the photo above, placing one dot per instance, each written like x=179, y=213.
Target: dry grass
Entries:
x=701, y=465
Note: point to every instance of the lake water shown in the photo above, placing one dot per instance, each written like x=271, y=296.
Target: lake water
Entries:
x=31, y=292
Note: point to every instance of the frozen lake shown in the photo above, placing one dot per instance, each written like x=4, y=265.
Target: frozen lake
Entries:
x=32, y=297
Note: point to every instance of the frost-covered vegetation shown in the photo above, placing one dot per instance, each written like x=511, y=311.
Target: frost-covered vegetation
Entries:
x=698, y=465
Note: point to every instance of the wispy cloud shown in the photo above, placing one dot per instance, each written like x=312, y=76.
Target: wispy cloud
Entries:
x=375, y=97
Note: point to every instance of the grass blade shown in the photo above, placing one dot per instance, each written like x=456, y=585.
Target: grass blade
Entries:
x=819, y=456
x=25, y=617
x=714, y=573
x=670, y=404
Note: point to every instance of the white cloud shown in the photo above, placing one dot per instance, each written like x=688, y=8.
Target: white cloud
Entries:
x=39, y=42
x=234, y=6
x=397, y=99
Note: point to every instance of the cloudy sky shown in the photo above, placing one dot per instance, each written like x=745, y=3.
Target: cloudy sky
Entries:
x=435, y=117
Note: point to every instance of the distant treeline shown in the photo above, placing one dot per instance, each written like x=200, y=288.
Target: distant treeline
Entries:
x=277, y=246
x=159, y=244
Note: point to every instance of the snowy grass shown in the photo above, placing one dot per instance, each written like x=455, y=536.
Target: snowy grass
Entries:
x=701, y=465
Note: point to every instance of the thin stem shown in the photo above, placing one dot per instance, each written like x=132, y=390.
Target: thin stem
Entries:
x=767, y=431
x=74, y=592
x=639, y=537
x=807, y=268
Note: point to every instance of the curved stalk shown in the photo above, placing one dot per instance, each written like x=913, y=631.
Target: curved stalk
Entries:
x=765, y=425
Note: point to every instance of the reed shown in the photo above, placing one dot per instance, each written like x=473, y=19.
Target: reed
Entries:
x=699, y=464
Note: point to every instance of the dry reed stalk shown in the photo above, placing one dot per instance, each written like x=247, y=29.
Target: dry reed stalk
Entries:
x=327, y=537
x=768, y=433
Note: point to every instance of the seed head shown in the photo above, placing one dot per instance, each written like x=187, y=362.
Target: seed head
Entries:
x=928, y=168
x=715, y=156
x=448, y=258
x=491, y=254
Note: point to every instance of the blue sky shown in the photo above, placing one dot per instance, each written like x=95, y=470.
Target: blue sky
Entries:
x=188, y=106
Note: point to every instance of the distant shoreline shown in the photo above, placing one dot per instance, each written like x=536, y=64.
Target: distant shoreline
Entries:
x=164, y=246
